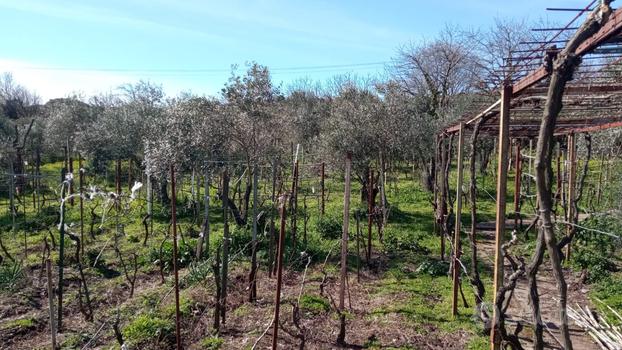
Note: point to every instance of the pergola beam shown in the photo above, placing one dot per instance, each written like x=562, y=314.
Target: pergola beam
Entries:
x=526, y=84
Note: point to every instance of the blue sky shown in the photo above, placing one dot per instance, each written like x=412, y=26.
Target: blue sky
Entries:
x=59, y=47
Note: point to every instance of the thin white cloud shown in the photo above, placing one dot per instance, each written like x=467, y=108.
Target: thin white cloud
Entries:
x=76, y=12
x=49, y=83
x=314, y=22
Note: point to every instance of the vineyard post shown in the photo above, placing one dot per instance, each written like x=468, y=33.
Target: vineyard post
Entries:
x=502, y=176
x=175, y=267
x=456, y=268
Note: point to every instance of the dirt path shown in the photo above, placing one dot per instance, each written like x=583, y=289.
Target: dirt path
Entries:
x=520, y=311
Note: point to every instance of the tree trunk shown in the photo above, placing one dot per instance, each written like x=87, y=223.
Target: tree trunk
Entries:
x=534, y=298
x=563, y=68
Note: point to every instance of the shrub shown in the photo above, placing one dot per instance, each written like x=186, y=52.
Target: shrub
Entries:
x=146, y=327
x=185, y=307
x=185, y=255
x=11, y=274
x=597, y=265
x=396, y=241
x=329, y=227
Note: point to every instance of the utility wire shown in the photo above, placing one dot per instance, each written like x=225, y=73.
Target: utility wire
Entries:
x=177, y=71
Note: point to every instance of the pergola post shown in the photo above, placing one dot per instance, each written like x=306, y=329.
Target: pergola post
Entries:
x=518, y=168
x=456, y=268
x=502, y=177
x=572, y=174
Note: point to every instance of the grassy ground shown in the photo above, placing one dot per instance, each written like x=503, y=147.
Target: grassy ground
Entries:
x=402, y=300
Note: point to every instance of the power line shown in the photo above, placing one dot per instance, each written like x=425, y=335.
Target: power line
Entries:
x=293, y=69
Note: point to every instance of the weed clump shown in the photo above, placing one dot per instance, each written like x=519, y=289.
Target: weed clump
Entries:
x=149, y=327
x=212, y=343
x=329, y=227
x=313, y=304
x=433, y=267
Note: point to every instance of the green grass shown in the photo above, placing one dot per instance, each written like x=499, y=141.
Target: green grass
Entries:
x=411, y=280
x=22, y=323
x=314, y=304
x=212, y=343
x=147, y=327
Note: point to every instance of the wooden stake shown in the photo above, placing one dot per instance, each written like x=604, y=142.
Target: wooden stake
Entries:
x=81, y=189
x=253, y=274
x=322, y=205
x=529, y=165
x=518, y=168
x=370, y=212
x=175, y=267
x=71, y=182
x=48, y=268
x=272, y=242
x=61, y=258
x=344, y=236
x=600, y=179
x=344, y=250
x=294, y=205
x=279, y=275
x=502, y=176
x=572, y=174
x=117, y=176
x=358, y=247
x=456, y=268
x=225, y=245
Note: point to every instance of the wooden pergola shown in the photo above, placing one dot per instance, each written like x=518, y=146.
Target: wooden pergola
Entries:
x=592, y=102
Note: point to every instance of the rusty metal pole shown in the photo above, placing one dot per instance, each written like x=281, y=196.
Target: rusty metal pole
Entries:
x=572, y=174
x=175, y=267
x=502, y=177
x=81, y=189
x=459, y=179
x=322, y=206
x=370, y=209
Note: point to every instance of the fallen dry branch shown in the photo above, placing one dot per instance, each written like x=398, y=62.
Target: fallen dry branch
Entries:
x=606, y=335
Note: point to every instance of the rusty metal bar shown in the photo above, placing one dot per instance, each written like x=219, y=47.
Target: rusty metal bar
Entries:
x=567, y=9
x=553, y=29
